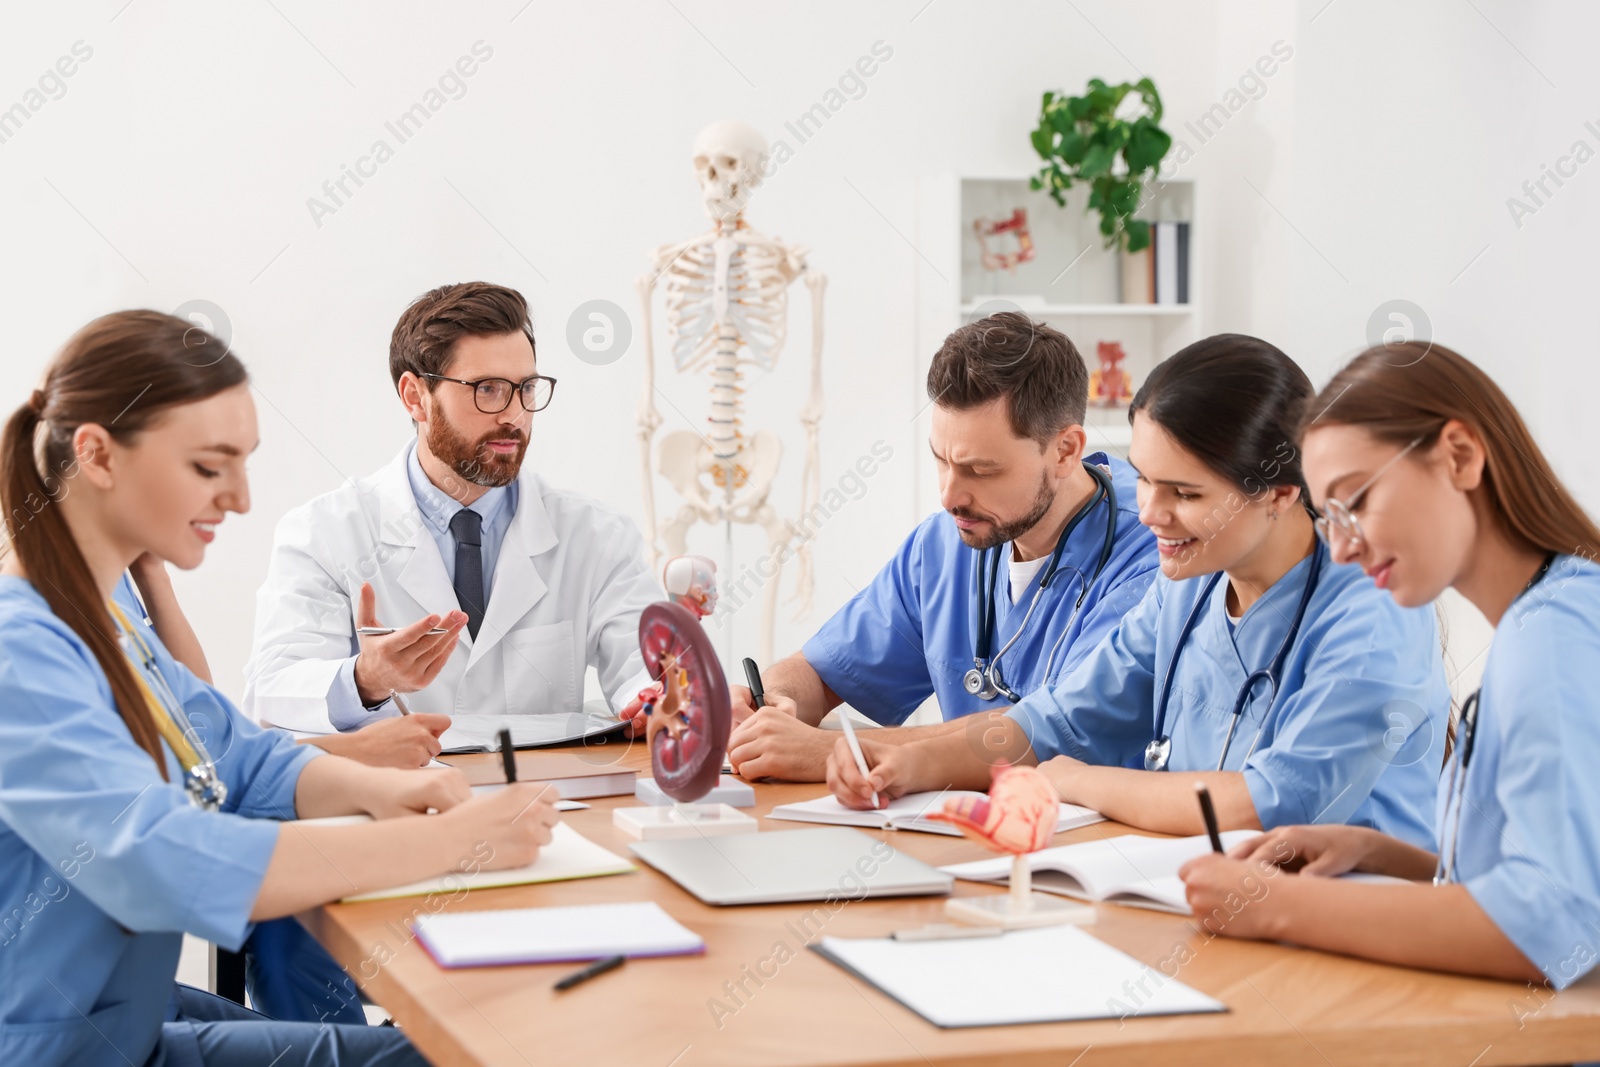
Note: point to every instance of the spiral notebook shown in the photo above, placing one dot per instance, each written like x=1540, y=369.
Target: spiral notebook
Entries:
x=553, y=935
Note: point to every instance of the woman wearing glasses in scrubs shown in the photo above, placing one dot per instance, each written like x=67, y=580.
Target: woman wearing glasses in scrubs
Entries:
x=1430, y=480
x=1282, y=679
x=136, y=803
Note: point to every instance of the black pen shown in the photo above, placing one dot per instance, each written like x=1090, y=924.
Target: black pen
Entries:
x=598, y=967
x=508, y=756
x=752, y=674
x=1209, y=814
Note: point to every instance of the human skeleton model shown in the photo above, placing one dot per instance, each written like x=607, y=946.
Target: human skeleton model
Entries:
x=727, y=308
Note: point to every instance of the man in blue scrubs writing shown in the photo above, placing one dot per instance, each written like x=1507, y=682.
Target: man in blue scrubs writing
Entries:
x=1037, y=554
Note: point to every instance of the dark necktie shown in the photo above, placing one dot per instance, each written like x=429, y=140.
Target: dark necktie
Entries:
x=467, y=528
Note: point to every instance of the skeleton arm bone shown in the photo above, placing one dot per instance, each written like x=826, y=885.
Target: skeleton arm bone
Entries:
x=811, y=418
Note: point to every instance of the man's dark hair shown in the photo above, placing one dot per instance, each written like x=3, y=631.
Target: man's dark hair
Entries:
x=425, y=337
x=1009, y=355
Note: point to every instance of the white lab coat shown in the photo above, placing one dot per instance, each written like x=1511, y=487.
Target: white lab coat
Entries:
x=567, y=591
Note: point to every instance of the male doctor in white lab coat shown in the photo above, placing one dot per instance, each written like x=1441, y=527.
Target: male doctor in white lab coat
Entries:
x=530, y=584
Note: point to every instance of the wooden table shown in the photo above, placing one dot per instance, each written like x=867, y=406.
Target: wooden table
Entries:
x=783, y=1005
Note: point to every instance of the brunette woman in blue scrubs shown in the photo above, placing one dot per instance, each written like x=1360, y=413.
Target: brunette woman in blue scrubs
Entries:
x=121, y=827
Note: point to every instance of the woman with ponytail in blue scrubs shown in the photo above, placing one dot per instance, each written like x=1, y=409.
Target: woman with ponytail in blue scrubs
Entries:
x=124, y=826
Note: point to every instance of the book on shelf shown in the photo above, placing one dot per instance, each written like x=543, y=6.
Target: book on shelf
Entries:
x=1169, y=247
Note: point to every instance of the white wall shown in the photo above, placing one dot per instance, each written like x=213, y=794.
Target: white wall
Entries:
x=178, y=164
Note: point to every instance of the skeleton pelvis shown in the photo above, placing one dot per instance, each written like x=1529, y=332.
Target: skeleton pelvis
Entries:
x=687, y=460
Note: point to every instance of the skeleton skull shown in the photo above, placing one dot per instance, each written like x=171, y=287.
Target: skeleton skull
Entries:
x=730, y=159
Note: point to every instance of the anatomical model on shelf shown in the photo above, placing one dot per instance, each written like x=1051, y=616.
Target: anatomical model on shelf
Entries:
x=1109, y=386
x=1005, y=243
x=726, y=307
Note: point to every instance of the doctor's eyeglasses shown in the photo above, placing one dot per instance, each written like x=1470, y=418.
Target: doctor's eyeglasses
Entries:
x=1338, y=517
x=493, y=395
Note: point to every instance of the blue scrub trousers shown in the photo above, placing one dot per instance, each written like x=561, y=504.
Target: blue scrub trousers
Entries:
x=209, y=1031
x=291, y=978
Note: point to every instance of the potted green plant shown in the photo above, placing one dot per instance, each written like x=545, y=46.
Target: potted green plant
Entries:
x=1110, y=141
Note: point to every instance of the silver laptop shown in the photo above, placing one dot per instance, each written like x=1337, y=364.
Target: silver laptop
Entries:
x=778, y=866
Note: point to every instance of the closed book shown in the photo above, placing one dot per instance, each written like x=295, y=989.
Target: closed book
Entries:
x=1183, y=262
x=1166, y=246
x=1136, y=277
x=578, y=777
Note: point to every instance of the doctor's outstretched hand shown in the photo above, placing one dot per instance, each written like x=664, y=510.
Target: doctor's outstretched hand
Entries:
x=406, y=660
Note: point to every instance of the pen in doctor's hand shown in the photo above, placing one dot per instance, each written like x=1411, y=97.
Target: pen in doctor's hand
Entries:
x=752, y=674
x=1209, y=814
x=855, y=750
x=385, y=631
x=508, y=756
x=401, y=704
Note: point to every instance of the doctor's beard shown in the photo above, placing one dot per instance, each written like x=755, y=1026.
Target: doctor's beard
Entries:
x=473, y=460
x=1003, y=532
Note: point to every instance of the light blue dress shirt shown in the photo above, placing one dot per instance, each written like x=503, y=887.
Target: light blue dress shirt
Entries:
x=1355, y=734
x=103, y=865
x=1529, y=844
x=913, y=631
x=496, y=507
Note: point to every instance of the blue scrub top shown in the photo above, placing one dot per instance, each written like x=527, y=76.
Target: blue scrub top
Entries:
x=913, y=631
x=104, y=866
x=1529, y=848
x=1356, y=733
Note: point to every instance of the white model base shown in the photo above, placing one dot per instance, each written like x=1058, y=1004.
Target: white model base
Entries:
x=728, y=790
x=682, y=820
x=1021, y=908
x=1041, y=909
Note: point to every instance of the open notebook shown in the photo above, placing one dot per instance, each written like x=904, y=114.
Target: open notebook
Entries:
x=1129, y=869
x=906, y=813
x=568, y=855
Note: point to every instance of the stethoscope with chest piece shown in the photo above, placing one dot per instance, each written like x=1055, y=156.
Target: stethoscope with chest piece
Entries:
x=201, y=782
x=984, y=680
x=1158, y=753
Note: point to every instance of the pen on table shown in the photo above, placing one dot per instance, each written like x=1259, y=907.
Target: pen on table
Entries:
x=401, y=704
x=1209, y=814
x=508, y=756
x=598, y=967
x=385, y=631
x=752, y=674
x=855, y=750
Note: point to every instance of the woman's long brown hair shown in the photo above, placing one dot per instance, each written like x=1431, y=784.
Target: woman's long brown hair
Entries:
x=1402, y=392
x=122, y=372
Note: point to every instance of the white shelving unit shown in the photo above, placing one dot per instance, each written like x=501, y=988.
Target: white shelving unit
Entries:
x=1088, y=309
x=1073, y=282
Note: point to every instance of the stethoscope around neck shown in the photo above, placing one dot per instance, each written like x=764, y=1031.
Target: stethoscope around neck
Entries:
x=984, y=680
x=1444, y=871
x=1158, y=752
